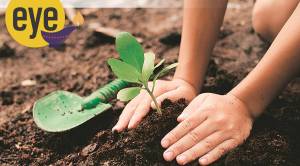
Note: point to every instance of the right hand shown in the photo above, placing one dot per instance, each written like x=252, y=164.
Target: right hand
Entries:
x=138, y=108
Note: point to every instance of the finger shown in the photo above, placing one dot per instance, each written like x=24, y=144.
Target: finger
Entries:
x=159, y=91
x=144, y=106
x=172, y=95
x=182, y=129
x=189, y=140
x=218, y=152
x=201, y=148
x=127, y=113
x=192, y=107
x=141, y=111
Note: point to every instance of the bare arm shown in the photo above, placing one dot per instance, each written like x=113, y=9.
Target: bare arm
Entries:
x=280, y=64
x=201, y=23
x=214, y=124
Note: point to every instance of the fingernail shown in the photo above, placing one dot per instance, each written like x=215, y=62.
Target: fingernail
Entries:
x=203, y=161
x=181, y=159
x=168, y=155
x=131, y=124
x=182, y=116
x=115, y=128
x=164, y=143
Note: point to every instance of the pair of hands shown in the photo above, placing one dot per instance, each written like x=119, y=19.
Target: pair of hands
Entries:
x=210, y=126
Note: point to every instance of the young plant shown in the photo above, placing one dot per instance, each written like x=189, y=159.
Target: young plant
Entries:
x=137, y=67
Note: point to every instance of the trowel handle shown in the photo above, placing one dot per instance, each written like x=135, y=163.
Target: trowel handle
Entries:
x=104, y=94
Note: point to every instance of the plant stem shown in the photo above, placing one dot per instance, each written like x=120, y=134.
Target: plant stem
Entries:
x=153, y=98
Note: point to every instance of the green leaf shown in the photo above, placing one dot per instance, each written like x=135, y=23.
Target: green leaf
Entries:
x=148, y=66
x=128, y=93
x=159, y=64
x=124, y=71
x=162, y=72
x=165, y=70
x=130, y=50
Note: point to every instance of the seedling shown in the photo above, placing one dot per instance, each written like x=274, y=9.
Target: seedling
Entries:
x=61, y=110
x=136, y=67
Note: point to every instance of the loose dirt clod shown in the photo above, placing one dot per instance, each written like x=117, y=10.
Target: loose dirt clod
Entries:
x=28, y=83
x=5, y=50
x=171, y=39
x=224, y=33
x=96, y=39
x=88, y=149
x=7, y=97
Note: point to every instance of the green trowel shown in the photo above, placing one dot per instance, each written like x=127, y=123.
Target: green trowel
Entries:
x=61, y=110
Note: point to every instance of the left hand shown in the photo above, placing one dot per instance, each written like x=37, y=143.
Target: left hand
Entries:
x=139, y=107
x=209, y=127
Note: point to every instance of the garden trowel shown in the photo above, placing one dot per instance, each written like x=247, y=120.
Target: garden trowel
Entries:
x=61, y=110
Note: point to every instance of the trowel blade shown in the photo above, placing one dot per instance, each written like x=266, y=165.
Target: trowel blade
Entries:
x=62, y=110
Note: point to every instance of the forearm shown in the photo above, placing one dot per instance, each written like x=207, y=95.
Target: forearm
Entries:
x=202, y=21
x=279, y=65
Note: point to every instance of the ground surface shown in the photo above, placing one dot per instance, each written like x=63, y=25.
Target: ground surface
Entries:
x=80, y=66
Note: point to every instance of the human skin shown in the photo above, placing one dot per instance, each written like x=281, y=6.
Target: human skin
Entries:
x=214, y=124
x=198, y=40
x=263, y=19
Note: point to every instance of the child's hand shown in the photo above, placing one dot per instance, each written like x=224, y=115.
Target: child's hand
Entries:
x=138, y=108
x=210, y=126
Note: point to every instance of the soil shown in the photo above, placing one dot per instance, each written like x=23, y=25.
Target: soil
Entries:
x=80, y=66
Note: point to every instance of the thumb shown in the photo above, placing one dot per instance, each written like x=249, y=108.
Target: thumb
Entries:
x=192, y=107
x=171, y=95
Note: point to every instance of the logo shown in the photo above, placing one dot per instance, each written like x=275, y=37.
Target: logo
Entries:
x=39, y=23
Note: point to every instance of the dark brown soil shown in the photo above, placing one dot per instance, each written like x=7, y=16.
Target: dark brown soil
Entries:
x=274, y=141
x=136, y=147
x=90, y=144
x=94, y=143
x=80, y=66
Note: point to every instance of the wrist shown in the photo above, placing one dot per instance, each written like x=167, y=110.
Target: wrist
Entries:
x=246, y=110
x=194, y=86
x=254, y=112
x=195, y=79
